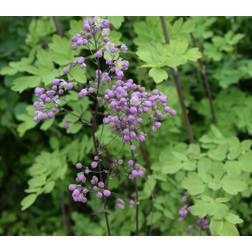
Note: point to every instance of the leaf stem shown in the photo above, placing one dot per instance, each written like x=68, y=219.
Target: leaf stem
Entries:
x=204, y=76
x=180, y=93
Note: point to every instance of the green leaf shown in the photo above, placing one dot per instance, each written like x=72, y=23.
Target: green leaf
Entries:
x=218, y=153
x=154, y=55
x=158, y=74
x=233, y=184
x=28, y=201
x=49, y=187
x=194, y=184
x=245, y=145
x=229, y=229
x=180, y=29
x=74, y=128
x=193, y=151
x=221, y=227
x=193, y=54
x=45, y=171
x=177, y=53
x=148, y=31
x=78, y=74
x=233, y=218
x=218, y=210
x=208, y=207
x=189, y=165
x=234, y=148
x=115, y=37
x=75, y=27
x=173, y=54
x=215, y=226
x=201, y=208
x=233, y=167
x=25, y=82
x=246, y=161
x=37, y=181
x=116, y=21
x=149, y=186
x=44, y=59
x=27, y=121
x=170, y=166
x=179, y=156
x=216, y=132
x=38, y=29
x=47, y=124
x=60, y=50
x=204, y=166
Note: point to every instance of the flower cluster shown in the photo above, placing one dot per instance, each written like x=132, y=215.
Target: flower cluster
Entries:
x=120, y=203
x=49, y=100
x=137, y=170
x=87, y=183
x=201, y=223
x=130, y=104
x=183, y=211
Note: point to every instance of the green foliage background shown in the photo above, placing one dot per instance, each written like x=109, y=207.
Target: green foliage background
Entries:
x=36, y=160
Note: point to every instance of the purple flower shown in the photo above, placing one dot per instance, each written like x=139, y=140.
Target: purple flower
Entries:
x=86, y=25
x=94, y=164
x=72, y=187
x=69, y=85
x=65, y=70
x=119, y=73
x=183, y=213
x=99, y=54
x=80, y=177
x=39, y=91
x=80, y=60
x=120, y=161
x=106, y=78
x=105, y=23
x=124, y=48
x=78, y=165
x=184, y=197
x=99, y=195
x=131, y=163
x=50, y=114
x=82, y=93
x=55, y=81
x=120, y=203
x=101, y=184
x=106, y=193
x=94, y=180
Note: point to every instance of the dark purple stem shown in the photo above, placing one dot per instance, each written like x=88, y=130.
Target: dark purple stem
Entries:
x=95, y=142
x=204, y=75
x=178, y=87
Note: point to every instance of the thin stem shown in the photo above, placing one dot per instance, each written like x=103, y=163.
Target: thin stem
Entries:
x=204, y=75
x=57, y=26
x=178, y=87
x=106, y=218
x=145, y=155
x=137, y=208
x=96, y=144
x=136, y=196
